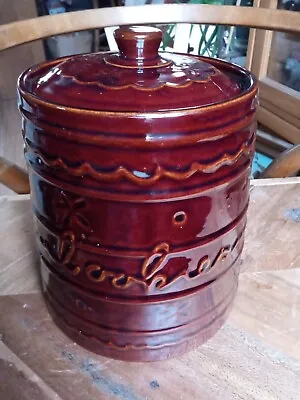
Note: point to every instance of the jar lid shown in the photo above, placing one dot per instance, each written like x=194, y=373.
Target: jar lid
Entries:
x=137, y=79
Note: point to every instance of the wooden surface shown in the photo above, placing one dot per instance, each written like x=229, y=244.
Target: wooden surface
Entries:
x=255, y=356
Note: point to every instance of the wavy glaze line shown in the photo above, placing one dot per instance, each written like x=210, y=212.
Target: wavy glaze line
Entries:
x=134, y=86
x=142, y=178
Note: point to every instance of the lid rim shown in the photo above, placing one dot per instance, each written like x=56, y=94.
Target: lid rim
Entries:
x=187, y=110
x=242, y=72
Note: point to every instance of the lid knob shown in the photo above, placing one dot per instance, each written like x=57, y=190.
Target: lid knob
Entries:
x=138, y=43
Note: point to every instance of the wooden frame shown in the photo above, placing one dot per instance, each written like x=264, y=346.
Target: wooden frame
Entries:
x=279, y=104
x=269, y=144
x=26, y=31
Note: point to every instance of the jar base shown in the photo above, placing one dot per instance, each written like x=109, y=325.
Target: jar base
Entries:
x=168, y=345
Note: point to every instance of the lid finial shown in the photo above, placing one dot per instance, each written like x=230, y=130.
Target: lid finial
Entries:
x=140, y=43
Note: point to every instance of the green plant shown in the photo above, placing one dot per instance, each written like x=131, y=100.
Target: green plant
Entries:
x=210, y=36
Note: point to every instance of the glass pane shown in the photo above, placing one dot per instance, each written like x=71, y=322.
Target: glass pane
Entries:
x=284, y=63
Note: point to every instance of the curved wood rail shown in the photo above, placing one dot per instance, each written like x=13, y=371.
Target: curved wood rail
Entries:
x=287, y=164
x=16, y=33
x=14, y=177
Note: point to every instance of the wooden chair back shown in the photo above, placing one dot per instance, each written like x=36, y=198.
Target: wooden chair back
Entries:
x=20, y=32
x=17, y=33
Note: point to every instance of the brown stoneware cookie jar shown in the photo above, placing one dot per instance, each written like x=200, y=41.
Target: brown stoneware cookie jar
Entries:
x=139, y=167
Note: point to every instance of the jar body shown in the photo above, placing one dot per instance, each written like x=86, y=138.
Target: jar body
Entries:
x=140, y=221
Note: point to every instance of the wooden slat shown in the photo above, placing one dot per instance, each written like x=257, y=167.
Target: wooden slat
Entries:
x=280, y=112
x=260, y=44
x=14, y=177
x=287, y=164
x=272, y=140
x=286, y=98
x=29, y=30
x=266, y=150
x=278, y=125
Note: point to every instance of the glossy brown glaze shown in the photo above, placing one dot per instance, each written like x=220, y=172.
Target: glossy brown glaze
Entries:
x=124, y=82
x=140, y=194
